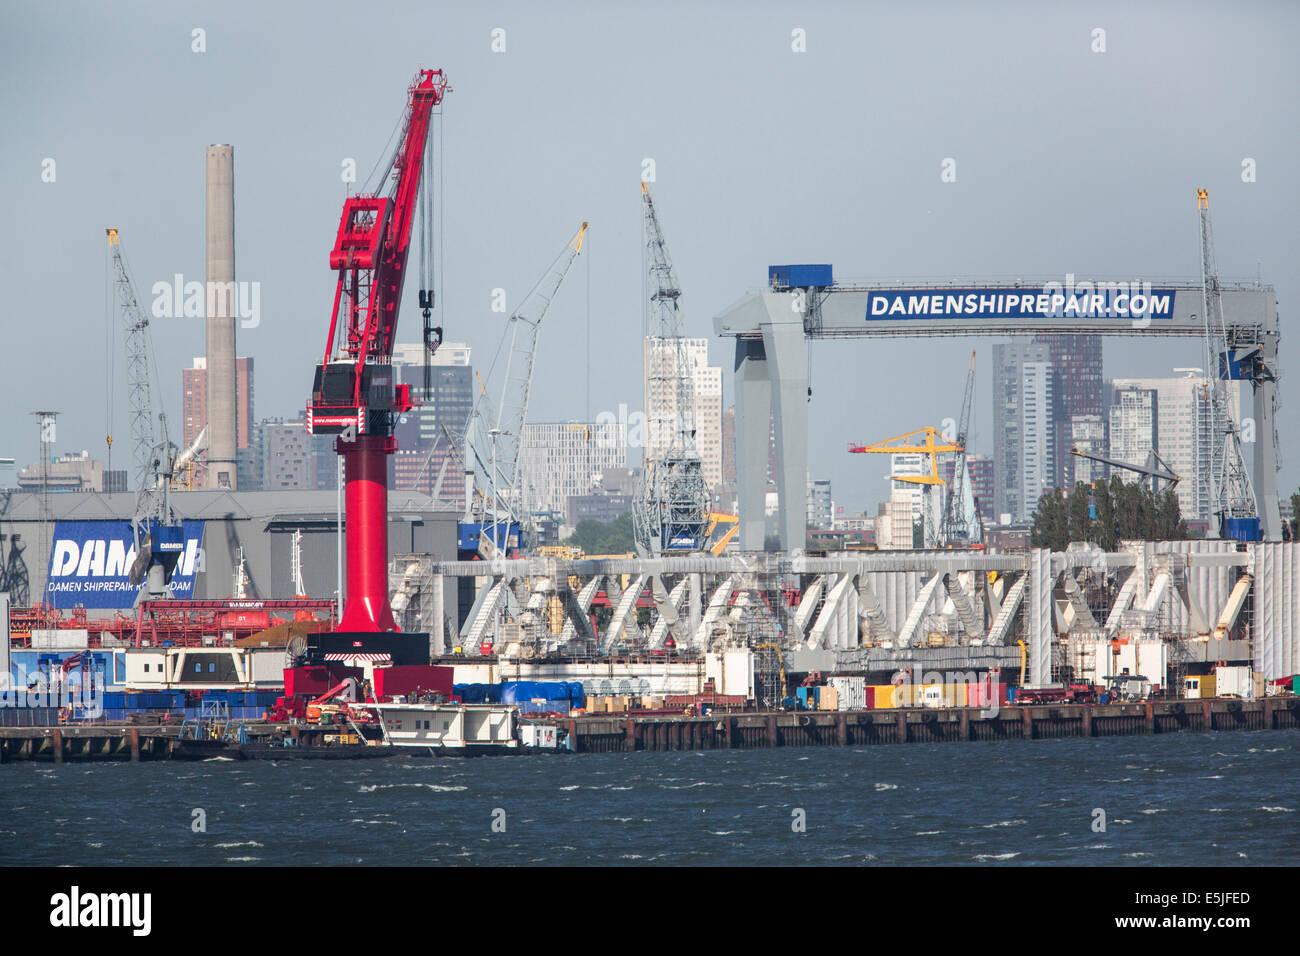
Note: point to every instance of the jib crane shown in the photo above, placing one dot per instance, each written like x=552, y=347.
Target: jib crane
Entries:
x=494, y=516
x=353, y=394
x=1234, y=498
x=159, y=535
x=957, y=517
x=1155, y=470
x=671, y=513
x=932, y=446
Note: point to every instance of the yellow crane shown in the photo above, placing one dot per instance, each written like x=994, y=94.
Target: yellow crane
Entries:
x=934, y=445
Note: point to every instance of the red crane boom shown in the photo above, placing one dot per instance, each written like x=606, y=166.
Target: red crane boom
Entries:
x=353, y=395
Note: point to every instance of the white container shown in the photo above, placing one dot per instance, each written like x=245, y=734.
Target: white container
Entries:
x=850, y=691
x=61, y=639
x=1236, y=681
x=542, y=736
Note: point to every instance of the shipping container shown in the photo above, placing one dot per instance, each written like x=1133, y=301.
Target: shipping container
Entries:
x=1199, y=687
x=799, y=276
x=850, y=692
x=1236, y=681
x=828, y=699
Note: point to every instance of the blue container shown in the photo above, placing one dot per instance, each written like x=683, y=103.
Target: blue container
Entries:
x=799, y=276
x=1241, y=529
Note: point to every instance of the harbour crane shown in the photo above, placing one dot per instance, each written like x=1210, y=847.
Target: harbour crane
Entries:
x=353, y=394
x=1155, y=470
x=671, y=513
x=959, y=513
x=932, y=446
x=495, y=516
x=158, y=533
x=1234, y=498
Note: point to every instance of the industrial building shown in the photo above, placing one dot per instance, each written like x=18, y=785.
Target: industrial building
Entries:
x=257, y=525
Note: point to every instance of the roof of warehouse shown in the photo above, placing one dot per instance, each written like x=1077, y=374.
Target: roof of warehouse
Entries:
x=207, y=505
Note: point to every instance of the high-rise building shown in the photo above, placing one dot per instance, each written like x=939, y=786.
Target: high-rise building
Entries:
x=661, y=402
x=1024, y=462
x=289, y=459
x=560, y=459
x=1076, y=390
x=430, y=437
x=1087, y=434
x=1183, y=433
x=194, y=413
x=1134, y=417
x=821, y=508
x=70, y=471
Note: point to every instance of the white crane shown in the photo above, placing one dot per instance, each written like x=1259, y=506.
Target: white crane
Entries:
x=1234, y=498
x=492, y=441
x=672, y=511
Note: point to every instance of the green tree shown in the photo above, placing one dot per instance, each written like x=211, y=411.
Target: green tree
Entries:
x=1295, y=516
x=1170, y=525
x=597, y=537
x=1080, y=519
x=1051, y=522
x=1104, y=524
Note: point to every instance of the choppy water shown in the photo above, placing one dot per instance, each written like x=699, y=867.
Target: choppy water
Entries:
x=1216, y=799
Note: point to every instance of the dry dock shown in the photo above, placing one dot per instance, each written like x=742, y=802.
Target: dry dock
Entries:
x=618, y=734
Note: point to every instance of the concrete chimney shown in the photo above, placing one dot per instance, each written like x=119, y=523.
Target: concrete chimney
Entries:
x=221, y=308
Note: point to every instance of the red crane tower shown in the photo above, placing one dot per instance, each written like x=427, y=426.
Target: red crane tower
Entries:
x=353, y=395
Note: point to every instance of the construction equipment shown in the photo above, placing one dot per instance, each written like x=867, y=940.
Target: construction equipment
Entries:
x=159, y=536
x=495, y=515
x=353, y=393
x=671, y=512
x=716, y=520
x=932, y=446
x=1154, y=471
x=961, y=523
x=1234, y=498
x=780, y=660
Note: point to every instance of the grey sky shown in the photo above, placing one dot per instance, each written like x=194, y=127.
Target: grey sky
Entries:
x=1067, y=161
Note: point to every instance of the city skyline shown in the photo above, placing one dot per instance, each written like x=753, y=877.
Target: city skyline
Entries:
x=888, y=214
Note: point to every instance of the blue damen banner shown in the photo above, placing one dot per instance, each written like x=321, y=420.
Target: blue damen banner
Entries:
x=1082, y=300
x=90, y=564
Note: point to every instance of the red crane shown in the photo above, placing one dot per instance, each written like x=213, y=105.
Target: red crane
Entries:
x=353, y=395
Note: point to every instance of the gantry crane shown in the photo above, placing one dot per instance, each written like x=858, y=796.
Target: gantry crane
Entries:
x=353, y=393
x=1234, y=498
x=672, y=509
